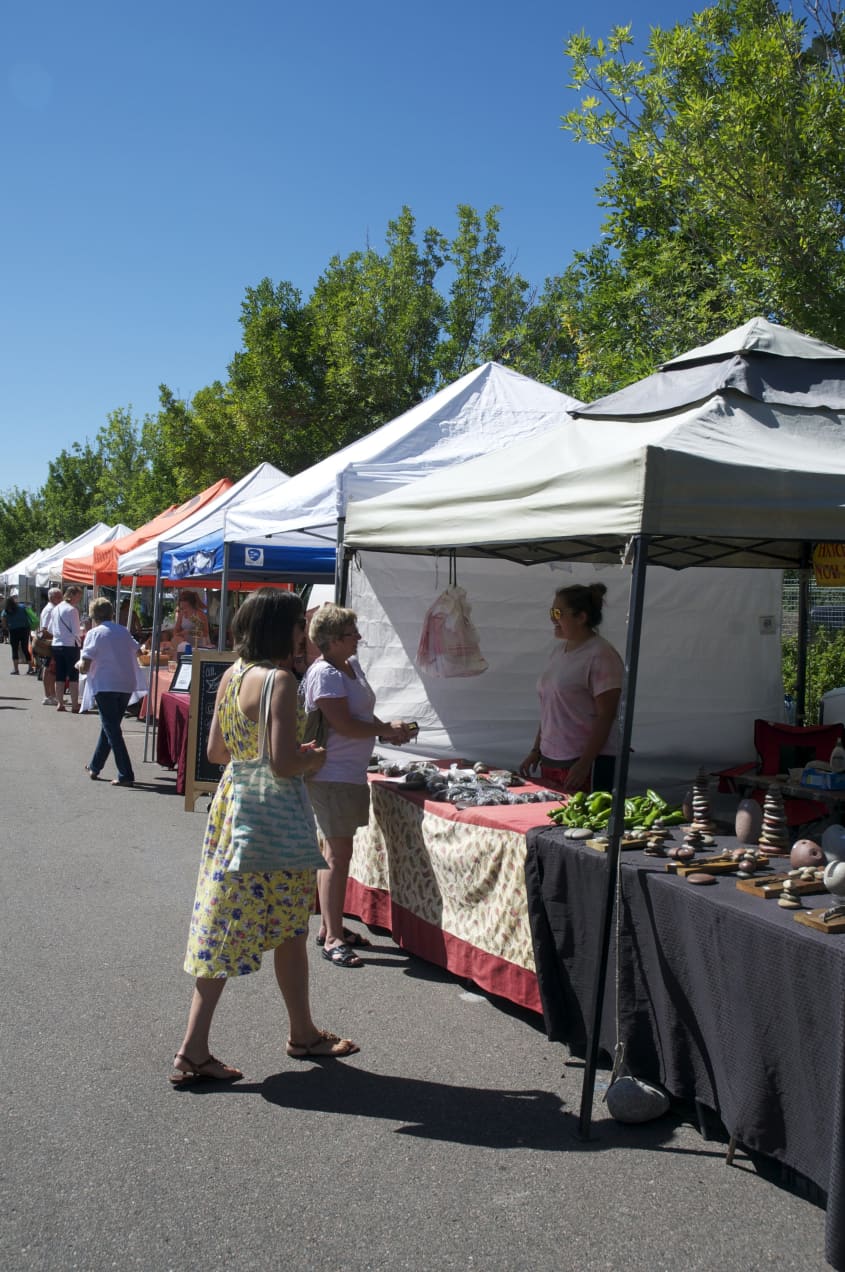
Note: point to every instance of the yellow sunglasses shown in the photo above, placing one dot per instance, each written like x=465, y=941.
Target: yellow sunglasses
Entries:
x=555, y=614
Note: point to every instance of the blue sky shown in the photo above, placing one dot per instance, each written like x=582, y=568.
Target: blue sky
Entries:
x=158, y=160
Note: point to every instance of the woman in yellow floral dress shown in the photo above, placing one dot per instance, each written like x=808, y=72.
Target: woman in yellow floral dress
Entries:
x=237, y=916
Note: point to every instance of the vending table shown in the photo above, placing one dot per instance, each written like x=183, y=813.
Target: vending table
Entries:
x=449, y=885
x=723, y=999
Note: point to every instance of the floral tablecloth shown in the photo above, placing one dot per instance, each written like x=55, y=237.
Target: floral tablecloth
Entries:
x=449, y=885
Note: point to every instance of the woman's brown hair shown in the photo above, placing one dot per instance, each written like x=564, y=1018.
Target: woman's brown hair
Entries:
x=264, y=625
x=586, y=599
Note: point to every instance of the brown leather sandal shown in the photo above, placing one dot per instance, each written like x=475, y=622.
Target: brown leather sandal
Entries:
x=326, y=1046
x=197, y=1072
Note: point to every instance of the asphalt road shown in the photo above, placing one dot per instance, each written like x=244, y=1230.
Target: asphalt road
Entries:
x=447, y=1143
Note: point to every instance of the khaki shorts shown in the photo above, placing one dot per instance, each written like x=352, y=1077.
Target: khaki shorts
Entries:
x=340, y=807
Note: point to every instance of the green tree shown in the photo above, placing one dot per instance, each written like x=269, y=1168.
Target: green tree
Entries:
x=23, y=526
x=70, y=493
x=375, y=327
x=724, y=185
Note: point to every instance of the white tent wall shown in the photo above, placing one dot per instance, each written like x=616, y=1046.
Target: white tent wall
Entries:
x=709, y=663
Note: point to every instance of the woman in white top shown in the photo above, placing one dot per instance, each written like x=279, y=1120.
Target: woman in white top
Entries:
x=575, y=746
x=112, y=679
x=339, y=792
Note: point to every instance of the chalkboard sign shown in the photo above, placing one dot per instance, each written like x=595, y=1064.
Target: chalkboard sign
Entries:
x=207, y=668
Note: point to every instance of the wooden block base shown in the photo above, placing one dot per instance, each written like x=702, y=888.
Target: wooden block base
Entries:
x=813, y=919
x=772, y=885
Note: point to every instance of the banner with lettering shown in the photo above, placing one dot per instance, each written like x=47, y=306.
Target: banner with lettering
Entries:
x=829, y=564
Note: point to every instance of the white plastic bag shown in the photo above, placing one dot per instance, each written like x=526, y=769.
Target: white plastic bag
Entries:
x=449, y=644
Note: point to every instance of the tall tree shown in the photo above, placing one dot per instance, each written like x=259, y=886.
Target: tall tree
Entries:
x=725, y=180
x=23, y=526
x=375, y=325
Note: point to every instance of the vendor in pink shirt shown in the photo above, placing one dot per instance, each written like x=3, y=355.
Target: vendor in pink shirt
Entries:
x=576, y=743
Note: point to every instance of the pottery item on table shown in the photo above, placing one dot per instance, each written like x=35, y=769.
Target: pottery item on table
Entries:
x=701, y=878
x=805, y=852
x=686, y=806
x=749, y=821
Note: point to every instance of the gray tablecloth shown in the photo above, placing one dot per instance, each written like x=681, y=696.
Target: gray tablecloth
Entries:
x=724, y=999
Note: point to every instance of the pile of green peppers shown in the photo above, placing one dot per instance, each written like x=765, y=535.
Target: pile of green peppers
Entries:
x=592, y=812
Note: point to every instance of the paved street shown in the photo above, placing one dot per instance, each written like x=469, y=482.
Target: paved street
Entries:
x=447, y=1143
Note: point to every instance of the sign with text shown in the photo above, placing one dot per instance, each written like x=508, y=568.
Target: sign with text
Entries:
x=207, y=668
x=829, y=564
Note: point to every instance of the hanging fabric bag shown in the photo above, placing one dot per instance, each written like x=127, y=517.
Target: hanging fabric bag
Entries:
x=449, y=644
x=272, y=819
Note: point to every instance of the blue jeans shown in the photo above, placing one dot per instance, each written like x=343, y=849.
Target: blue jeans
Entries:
x=111, y=707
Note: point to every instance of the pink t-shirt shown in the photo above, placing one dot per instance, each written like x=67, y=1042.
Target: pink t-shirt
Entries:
x=567, y=689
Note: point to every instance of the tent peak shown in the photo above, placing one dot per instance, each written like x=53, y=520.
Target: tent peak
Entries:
x=759, y=335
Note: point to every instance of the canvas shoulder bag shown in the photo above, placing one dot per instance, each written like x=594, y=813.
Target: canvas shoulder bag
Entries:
x=272, y=819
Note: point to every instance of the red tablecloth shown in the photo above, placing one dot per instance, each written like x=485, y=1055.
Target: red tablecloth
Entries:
x=159, y=685
x=449, y=885
x=172, y=739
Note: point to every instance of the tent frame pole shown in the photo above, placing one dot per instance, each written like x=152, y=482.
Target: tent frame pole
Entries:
x=803, y=634
x=155, y=645
x=617, y=824
x=224, y=596
x=341, y=565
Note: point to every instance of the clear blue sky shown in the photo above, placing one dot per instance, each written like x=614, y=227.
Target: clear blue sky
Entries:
x=160, y=158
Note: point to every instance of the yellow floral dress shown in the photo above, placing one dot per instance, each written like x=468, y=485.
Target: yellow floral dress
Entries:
x=237, y=916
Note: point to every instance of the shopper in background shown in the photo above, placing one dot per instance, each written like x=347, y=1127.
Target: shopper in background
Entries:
x=109, y=663
x=67, y=641
x=575, y=746
x=16, y=622
x=54, y=597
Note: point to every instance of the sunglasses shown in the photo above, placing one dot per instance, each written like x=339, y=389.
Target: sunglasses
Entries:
x=555, y=614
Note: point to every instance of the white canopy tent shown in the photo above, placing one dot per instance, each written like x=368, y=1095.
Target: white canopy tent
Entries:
x=483, y=411
x=25, y=568
x=50, y=567
x=206, y=521
x=728, y=481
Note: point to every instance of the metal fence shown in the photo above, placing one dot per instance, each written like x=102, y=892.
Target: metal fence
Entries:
x=826, y=606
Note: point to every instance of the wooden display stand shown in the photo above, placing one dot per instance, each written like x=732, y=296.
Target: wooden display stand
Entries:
x=768, y=886
x=207, y=668
x=813, y=919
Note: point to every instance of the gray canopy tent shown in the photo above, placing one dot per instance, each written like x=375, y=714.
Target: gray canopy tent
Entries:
x=731, y=478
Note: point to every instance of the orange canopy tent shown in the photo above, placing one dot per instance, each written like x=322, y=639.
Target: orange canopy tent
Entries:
x=100, y=568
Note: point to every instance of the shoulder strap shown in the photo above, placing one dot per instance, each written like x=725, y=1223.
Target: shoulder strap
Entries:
x=263, y=714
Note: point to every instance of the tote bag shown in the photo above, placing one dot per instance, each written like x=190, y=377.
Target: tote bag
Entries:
x=272, y=820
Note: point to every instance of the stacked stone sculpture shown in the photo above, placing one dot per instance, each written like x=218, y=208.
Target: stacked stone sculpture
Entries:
x=774, y=837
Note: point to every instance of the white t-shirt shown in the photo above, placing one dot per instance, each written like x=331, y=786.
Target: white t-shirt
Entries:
x=567, y=690
x=65, y=625
x=44, y=620
x=113, y=654
x=346, y=758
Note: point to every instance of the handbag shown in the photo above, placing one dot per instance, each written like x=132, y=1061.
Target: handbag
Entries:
x=272, y=819
x=316, y=729
x=42, y=643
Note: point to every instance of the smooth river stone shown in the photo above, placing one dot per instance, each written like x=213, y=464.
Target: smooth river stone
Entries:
x=748, y=822
x=701, y=878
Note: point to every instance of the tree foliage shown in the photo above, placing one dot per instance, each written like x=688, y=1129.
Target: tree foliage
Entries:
x=724, y=186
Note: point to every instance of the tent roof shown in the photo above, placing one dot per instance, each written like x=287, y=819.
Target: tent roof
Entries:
x=484, y=410
x=762, y=361
x=28, y=564
x=100, y=567
x=50, y=566
x=728, y=482
x=760, y=336
x=206, y=521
